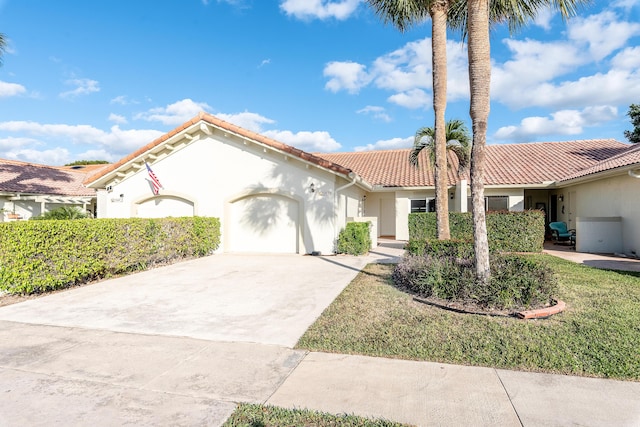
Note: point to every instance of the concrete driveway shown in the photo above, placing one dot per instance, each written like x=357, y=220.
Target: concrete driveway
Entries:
x=177, y=345
x=267, y=299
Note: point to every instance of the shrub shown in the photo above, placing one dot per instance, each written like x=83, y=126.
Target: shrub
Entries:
x=506, y=231
x=38, y=256
x=517, y=281
x=354, y=239
x=63, y=212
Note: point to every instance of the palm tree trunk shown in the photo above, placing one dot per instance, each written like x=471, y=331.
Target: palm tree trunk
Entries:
x=479, y=82
x=438, y=12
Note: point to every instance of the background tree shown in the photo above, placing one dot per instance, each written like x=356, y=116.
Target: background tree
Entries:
x=87, y=162
x=634, y=114
x=458, y=142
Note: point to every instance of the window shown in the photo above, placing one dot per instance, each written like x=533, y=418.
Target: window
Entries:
x=496, y=203
x=419, y=205
x=423, y=205
x=493, y=203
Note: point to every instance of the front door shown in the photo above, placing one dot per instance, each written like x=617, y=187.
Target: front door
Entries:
x=387, y=219
x=571, y=217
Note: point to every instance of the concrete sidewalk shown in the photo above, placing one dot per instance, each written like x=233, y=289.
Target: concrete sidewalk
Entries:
x=604, y=261
x=143, y=369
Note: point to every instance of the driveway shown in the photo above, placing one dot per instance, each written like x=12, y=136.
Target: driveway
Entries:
x=176, y=345
x=267, y=299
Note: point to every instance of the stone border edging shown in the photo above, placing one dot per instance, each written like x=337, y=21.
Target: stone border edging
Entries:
x=542, y=312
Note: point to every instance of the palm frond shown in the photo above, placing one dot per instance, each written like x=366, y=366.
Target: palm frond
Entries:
x=402, y=14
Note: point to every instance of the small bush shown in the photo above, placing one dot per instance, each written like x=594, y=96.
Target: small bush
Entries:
x=516, y=280
x=354, y=239
x=63, y=212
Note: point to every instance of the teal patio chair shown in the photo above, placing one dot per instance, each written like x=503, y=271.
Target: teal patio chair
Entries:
x=561, y=234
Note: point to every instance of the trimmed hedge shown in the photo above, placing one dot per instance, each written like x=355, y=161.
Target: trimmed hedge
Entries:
x=507, y=231
x=39, y=256
x=354, y=239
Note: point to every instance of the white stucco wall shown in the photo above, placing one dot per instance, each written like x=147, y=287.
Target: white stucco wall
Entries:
x=617, y=196
x=216, y=171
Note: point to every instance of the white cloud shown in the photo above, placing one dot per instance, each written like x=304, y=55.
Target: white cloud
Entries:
x=82, y=87
x=319, y=9
x=388, y=144
x=625, y=4
x=349, y=76
x=246, y=120
x=405, y=68
x=11, y=89
x=378, y=113
x=264, y=62
x=413, y=99
x=628, y=59
x=55, y=156
x=117, y=141
x=318, y=141
x=122, y=142
x=564, y=122
x=405, y=71
x=543, y=18
x=123, y=100
x=12, y=142
x=76, y=134
x=604, y=33
x=117, y=118
x=174, y=114
x=533, y=63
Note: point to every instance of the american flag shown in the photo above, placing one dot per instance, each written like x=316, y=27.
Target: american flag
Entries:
x=154, y=180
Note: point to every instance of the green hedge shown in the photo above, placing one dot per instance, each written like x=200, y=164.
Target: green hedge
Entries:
x=507, y=231
x=354, y=239
x=38, y=256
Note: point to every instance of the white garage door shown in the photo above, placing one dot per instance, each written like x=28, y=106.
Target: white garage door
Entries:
x=263, y=223
x=162, y=207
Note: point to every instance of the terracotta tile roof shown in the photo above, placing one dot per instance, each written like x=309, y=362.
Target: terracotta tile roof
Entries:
x=531, y=163
x=31, y=178
x=538, y=162
x=631, y=156
x=210, y=119
x=391, y=168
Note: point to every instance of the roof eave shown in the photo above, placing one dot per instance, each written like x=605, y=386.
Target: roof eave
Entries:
x=622, y=170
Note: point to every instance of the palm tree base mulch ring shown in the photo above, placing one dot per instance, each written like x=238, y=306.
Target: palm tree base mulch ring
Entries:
x=469, y=308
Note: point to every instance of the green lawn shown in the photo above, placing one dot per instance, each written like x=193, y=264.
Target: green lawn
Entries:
x=249, y=415
x=598, y=335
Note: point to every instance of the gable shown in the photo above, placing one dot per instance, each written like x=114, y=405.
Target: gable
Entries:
x=201, y=127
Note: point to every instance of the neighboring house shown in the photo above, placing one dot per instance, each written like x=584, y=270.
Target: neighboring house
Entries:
x=272, y=197
x=28, y=189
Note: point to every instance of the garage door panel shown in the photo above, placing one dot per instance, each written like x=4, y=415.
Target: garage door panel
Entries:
x=264, y=223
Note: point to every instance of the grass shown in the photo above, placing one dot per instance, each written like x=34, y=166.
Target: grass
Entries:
x=597, y=336
x=250, y=415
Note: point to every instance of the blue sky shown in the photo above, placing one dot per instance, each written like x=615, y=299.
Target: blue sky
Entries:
x=98, y=79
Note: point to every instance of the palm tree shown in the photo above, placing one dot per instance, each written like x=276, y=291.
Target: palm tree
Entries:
x=3, y=46
x=478, y=19
x=458, y=142
x=403, y=14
